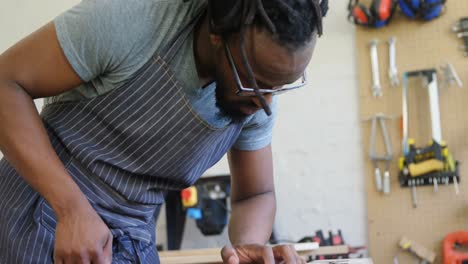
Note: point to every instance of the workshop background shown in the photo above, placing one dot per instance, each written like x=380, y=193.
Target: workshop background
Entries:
x=317, y=144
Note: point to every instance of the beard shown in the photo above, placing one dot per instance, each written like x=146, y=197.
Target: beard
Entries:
x=226, y=107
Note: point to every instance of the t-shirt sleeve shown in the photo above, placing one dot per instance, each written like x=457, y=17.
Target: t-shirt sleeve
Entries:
x=257, y=132
x=98, y=35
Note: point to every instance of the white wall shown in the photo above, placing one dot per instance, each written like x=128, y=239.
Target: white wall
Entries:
x=319, y=170
x=318, y=166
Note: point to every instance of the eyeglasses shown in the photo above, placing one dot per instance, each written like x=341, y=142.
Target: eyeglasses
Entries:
x=244, y=91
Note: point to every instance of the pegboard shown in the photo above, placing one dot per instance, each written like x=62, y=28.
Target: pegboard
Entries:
x=419, y=45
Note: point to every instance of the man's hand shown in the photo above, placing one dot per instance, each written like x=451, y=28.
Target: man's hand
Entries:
x=82, y=237
x=251, y=254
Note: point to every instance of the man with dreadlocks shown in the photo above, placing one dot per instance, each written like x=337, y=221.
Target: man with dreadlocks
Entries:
x=142, y=97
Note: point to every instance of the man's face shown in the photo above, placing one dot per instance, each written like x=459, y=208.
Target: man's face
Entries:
x=273, y=66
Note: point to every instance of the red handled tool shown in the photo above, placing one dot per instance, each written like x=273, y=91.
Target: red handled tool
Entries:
x=451, y=242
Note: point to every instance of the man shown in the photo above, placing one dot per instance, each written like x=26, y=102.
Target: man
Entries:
x=143, y=96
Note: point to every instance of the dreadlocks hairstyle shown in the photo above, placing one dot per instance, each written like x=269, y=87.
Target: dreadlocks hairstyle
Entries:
x=292, y=24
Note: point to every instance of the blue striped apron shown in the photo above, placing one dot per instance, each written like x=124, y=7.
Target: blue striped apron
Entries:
x=124, y=149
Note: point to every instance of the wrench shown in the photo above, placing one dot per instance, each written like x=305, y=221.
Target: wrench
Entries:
x=450, y=75
x=392, y=71
x=376, y=88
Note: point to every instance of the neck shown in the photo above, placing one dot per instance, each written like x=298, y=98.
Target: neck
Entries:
x=203, y=51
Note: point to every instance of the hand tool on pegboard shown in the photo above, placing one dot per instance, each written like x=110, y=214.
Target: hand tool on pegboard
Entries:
x=376, y=87
x=461, y=29
x=450, y=76
x=451, y=242
x=392, y=67
x=429, y=165
x=381, y=185
x=423, y=254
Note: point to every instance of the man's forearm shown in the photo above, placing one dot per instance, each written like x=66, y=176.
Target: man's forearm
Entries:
x=252, y=219
x=26, y=145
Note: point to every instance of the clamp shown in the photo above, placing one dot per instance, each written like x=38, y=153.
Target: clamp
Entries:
x=387, y=157
x=428, y=165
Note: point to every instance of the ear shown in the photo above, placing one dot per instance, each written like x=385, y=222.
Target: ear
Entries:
x=216, y=40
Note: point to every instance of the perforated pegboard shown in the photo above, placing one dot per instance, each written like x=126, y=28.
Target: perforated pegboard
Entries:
x=420, y=45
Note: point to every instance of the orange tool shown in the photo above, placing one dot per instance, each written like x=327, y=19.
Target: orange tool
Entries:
x=451, y=241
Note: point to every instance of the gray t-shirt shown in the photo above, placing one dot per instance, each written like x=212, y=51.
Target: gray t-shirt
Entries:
x=106, y=41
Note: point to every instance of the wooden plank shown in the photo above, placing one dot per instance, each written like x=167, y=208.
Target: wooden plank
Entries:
x=202, y=259
x=327, y=250
x=344, y=261
x=213, y=255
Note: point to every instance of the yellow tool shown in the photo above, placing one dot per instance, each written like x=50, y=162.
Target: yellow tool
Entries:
x=426, y=165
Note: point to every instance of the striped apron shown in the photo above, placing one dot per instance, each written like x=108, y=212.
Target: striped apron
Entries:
x=124, y=149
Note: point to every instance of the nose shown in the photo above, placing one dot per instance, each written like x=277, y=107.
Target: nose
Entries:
x=268, y=99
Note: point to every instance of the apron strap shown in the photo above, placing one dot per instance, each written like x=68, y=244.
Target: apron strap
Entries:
x=173, y=46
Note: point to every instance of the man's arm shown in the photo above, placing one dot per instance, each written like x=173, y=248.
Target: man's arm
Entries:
x=33, y=68
x=252, y=197
x=253, y=206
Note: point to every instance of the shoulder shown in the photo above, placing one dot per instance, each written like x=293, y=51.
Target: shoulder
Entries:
x=261, y=119
x=102, y=36
x=257, y=131
x=135, y=18
x=141, y=26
